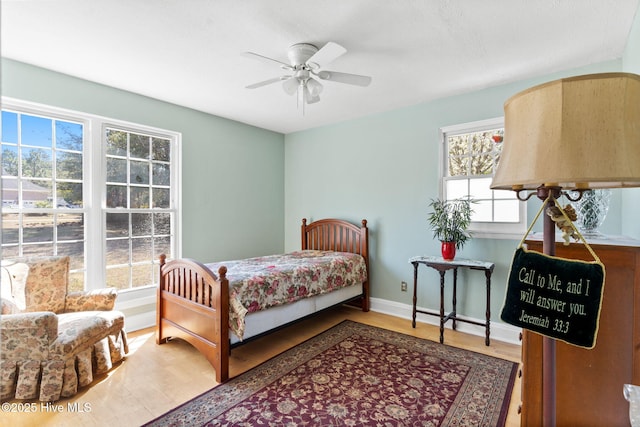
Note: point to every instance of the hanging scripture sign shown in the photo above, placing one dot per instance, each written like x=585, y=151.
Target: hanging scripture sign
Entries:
x=556, y=297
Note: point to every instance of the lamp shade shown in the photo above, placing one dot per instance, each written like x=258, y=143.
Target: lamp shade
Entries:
x=575, y=133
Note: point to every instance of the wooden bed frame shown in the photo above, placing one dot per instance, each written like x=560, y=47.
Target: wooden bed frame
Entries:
x=193, y=302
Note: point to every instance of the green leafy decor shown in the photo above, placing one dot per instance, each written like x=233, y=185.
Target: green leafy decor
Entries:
x=449, y=220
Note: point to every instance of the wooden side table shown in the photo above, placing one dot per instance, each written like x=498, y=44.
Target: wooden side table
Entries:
x=442, y=266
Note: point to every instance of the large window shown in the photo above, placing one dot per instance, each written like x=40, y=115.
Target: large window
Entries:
x=102, y=192
x=138, y=205
x=471, y=153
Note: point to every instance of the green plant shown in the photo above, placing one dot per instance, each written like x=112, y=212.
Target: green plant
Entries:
x=449, y=220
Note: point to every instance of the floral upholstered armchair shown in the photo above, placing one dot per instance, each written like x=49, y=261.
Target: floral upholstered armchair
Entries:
x=53, y=341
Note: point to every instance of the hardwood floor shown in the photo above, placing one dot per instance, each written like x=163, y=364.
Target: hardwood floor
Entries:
x=154, y=379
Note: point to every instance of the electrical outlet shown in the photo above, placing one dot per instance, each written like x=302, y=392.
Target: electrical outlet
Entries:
x=403, y=286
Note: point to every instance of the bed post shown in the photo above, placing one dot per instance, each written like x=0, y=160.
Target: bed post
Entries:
x=364, y=251
x=304, y=237
x=222, y=370
x=159, y=340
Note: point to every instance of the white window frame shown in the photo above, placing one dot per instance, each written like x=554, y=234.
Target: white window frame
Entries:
x=94, y=166
x=493, y=230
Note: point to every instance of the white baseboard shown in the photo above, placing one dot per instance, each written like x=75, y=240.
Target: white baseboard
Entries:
x=139, y=312
x=136, y=322
x=498, y=331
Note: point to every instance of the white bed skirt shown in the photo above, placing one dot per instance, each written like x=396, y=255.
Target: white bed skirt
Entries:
x=263, y=321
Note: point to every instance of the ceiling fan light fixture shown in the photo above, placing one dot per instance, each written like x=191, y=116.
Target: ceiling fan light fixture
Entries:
x=315, y=88
x=290, y=85
x=310, y=97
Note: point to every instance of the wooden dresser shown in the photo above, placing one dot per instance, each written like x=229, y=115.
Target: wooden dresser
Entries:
x=589, y=382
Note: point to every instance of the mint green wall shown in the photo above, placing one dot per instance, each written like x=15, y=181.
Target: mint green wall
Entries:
x=631, y=197
x=385, y=168
x=232, y=175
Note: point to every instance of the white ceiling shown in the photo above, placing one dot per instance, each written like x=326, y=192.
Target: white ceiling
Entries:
x=188, y=52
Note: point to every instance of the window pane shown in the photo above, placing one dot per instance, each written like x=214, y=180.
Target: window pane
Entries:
x=9, y=193
x=458, y=145
x=162, y=245
x=116, y=170
x=161, y=149
x=70, y=227
x=36, y=194
x=36, y=163
x=507, y=211
x=44, y=249
x=36, y=131
x=75, y=251
x=161, y=174
x=142, y=275
x=76, y=282
x=10, y=251
x=161, y=223
x=70, y=195
x=139, y=173
x=117, y=251
x=141, y=224
x=37, y=228
x=116, y=143
x=118, y=277
x=9, y=127
x=161, y=198
x=458, y=166
x=68, y=135
x=457, y=188
x=116, y=196
x=139, y=146
x=141, y=250
x=504, y=194
x=9, y=161
x=482, y=211
x=482, y=165
x=69, y=165
x=139, y=198
x=10, y=229
x=117, y=225
x=480, y=188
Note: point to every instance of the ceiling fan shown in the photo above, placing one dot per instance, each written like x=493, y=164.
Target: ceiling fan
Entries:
x=306, y=68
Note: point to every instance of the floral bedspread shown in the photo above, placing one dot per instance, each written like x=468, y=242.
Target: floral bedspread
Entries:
x=259, y=283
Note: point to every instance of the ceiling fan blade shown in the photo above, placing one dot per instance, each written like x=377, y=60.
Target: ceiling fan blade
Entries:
x=351, y=79
x=327, y=54
x=266, y=82
x=267, y=59
x=290, y=85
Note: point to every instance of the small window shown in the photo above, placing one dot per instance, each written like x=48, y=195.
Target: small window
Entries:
x=471, y=153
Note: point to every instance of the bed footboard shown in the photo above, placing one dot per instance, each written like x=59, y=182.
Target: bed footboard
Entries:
x=193, y=304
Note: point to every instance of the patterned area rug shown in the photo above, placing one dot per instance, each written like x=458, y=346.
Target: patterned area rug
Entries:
x=359, y=375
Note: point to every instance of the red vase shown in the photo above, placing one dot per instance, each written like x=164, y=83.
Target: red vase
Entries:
x=448, y=250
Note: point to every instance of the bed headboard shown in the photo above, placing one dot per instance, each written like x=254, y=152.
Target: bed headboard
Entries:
x=336, y=235
x=342, y=236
